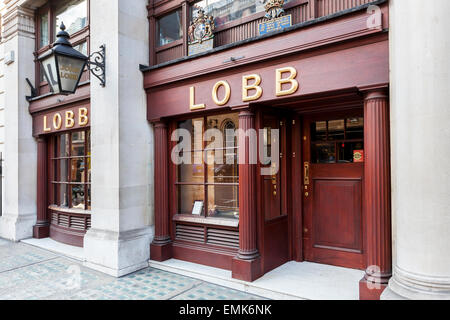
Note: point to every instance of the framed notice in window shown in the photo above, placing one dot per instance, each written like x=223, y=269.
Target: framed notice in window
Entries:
x=198, y=208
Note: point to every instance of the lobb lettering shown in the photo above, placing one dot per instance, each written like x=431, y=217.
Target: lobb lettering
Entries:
x=66, y=120
x=286, y=84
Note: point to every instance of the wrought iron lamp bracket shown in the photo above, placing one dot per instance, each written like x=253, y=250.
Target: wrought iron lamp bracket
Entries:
x=97, y=64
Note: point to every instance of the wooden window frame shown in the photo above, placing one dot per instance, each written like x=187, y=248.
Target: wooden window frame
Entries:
x=55, y=180
x=76, y=38
x=205, y=184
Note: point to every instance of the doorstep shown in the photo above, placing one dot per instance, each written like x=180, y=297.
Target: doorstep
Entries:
x=291, y=281
x=72, y=252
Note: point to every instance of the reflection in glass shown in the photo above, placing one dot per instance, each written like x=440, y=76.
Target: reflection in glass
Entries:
x=64, y=145
x=77, y=170
x=78, y=196
x=63, y=195
x=319, y=131
x=187, y=195
x=228, y=10
x=225, y=172
x=63, y=170
x=323, y=153
x=78, y=143
x=44, y=31
x=336, y=130
x=74, y=15
x=82, y=47
x=169, y=28
x=223, y=201
x=355, y=128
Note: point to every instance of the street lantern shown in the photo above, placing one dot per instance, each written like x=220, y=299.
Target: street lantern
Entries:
x=63, y=65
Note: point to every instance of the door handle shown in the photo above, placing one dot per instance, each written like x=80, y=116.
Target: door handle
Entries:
x=306, y=174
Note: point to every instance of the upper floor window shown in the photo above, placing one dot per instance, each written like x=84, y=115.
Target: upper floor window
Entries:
x=228, y=10
x=44, y=27
x=74, y=15
x=169, y=28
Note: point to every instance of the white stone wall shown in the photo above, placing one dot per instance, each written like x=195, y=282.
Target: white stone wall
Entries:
x=122, y=141
x=19, y=202
x=420, y=134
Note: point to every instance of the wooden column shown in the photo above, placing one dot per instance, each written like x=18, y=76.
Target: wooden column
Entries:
x=161, y=247
x=42, y=227
x=247, y=264
x=377, y=195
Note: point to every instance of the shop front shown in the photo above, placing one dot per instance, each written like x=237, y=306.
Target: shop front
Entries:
x=301, y=124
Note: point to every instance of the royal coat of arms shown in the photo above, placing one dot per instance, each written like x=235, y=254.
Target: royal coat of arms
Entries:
x=275, y=18
x=201, y=29
x=274, y=9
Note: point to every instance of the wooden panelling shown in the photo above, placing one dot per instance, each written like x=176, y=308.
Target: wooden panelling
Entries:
x=69, y=228
x=169, y=54
x=327, y=7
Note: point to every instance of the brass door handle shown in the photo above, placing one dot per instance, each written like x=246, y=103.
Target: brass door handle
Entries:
x=306, y=174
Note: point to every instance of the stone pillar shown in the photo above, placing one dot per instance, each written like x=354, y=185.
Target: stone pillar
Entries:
x=247, y=264
x=16, y=139
x=420, y=139
x=42, y=227
x=161, y=247
x=376, y=195
x=122, y=142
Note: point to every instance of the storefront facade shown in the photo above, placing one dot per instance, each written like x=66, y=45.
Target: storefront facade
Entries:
x=323, y=130
x=323, y=87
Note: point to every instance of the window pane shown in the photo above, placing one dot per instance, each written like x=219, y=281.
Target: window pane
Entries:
x=78, y=170
x=347, y=151
x=355, y=128
x=319, y=131
x=63, y=195
x=226, y=170
x=187, y=195
x=74, y=15
x=169, y=28
x=63, y=145
x=323, y=153
x=77, y=193
x=44, y=40
x=193, y=171
x=336, y=130
x=63, y=170
x=223, y=201
x=78, y=143
x=82, y=47
x=227, y=11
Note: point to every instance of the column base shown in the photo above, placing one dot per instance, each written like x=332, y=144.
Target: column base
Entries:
x=370, y=290
x=161, y=252
x=17, y=227
x=246, y=270
x=117, y=253
x=41, y=231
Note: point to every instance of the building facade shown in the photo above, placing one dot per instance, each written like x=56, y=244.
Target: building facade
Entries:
x=235, y=134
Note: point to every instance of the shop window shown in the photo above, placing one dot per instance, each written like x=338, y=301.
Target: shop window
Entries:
x=74, y=15
x=228, y=11
x=337, y=141
x=209, y=184
x=169, y=28
x=71, y=180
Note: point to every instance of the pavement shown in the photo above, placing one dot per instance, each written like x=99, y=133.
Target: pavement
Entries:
x=30, y=273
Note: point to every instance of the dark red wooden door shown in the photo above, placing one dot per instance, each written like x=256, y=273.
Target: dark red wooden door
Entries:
x=333, y=172
x=276, y=248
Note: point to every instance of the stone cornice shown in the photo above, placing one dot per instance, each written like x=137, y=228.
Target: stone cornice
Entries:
x=18, y=21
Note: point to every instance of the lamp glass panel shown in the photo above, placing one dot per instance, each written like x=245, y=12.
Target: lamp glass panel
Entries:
x=69, y=72
x=50, y=72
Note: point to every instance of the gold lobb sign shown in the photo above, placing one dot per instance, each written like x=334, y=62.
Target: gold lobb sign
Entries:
x=285, y=84
x=61, y=120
